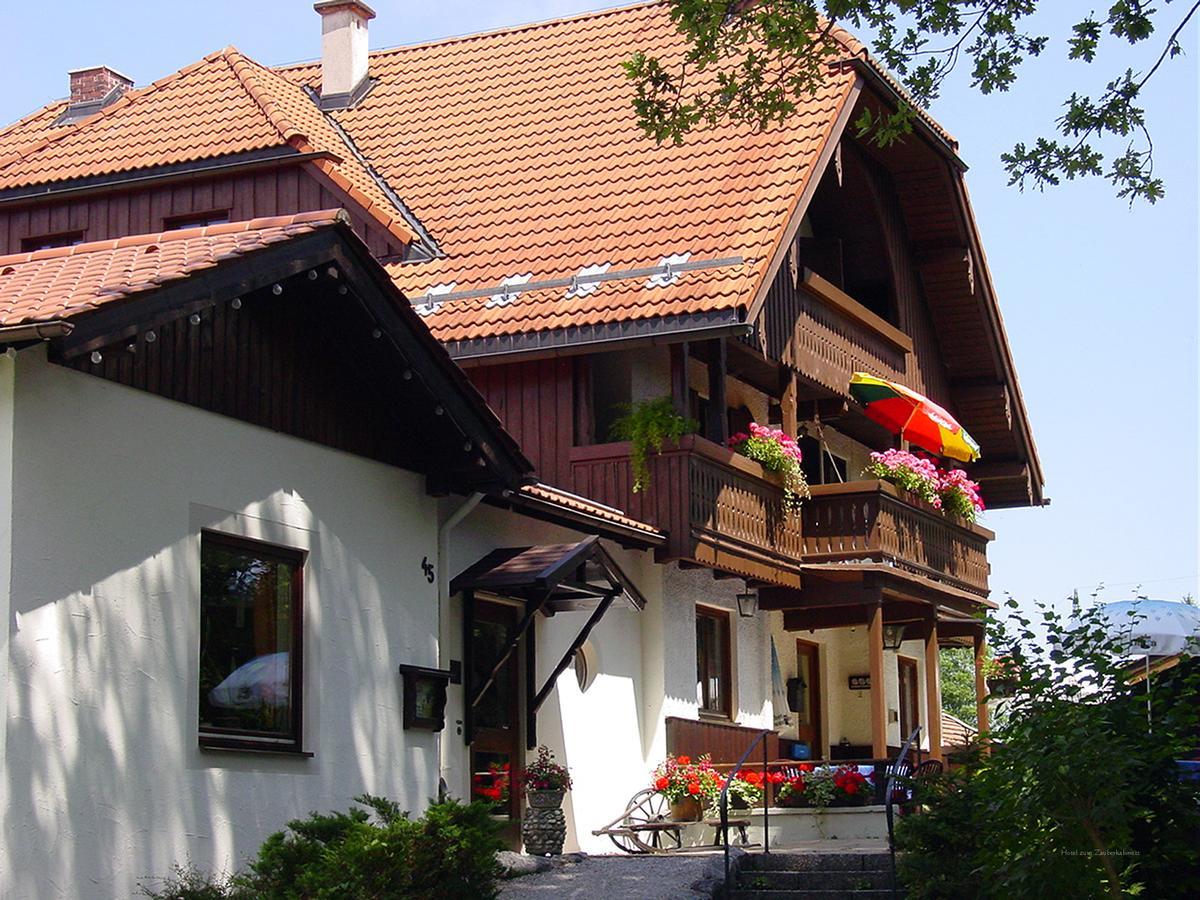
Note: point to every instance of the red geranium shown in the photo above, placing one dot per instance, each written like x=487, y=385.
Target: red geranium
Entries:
x=661, y=784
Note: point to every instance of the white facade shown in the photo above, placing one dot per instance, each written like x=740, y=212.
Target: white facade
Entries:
x=109, y=488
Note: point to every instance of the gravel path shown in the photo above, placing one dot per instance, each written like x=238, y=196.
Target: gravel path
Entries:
x=624, y=877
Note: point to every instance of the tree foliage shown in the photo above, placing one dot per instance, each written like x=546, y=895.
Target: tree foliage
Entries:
x=1079, y=796
x=753, y=61
x=958, y=683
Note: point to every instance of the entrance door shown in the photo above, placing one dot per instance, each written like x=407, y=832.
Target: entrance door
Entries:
x=496, y=747
x=808, y=716
x=910, y=698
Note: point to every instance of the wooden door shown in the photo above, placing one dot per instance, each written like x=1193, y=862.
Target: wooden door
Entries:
x=496, y=719
x=808, y=717
x=910, y=698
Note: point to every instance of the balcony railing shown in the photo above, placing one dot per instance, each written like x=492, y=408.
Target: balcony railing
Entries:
x=874, y=521
x=718, y=508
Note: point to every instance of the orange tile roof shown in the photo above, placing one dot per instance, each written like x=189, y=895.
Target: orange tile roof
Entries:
x=67, y=281
x=545, y=493
x=519, y=151
x=224, y=104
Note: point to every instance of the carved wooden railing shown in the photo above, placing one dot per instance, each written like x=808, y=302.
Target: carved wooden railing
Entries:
x=717, y=507
x=875, y=521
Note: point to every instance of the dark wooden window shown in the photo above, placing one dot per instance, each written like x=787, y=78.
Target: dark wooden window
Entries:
x=196, y=220
x=714, y=686
x=48, y=241
x=820, y=465
x=251, y=612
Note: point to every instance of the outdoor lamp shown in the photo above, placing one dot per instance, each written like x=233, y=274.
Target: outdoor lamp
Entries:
x=747, y=602
x=893, y=635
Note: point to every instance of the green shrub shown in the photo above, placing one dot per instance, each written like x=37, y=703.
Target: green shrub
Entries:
x=1078, y=797
x=450, y=852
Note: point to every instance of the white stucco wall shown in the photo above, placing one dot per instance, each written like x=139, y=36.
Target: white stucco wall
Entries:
x=103, y=780
x=600, y=733
x=844, y=652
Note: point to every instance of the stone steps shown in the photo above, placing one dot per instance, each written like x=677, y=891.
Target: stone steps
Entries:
x=819, y=876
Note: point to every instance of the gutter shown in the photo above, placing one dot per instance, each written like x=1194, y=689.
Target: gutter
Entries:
x=35, y=331
x=188, y=171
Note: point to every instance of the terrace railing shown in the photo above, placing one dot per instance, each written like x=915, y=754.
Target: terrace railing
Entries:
x=875, y=521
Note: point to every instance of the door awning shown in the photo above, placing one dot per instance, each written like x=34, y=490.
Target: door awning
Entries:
x=559, y=577
x=552, y=578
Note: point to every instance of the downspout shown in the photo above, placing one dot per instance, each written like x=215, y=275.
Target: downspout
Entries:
x=443, y=600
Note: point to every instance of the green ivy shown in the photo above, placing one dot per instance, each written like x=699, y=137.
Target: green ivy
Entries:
x=648, y=425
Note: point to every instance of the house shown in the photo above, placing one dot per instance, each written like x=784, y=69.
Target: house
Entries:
x=227, y=419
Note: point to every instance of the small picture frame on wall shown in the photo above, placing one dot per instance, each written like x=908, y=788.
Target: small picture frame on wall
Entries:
x=424, y=701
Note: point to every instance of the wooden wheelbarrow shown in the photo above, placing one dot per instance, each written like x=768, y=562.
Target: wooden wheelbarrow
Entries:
x=646, y=826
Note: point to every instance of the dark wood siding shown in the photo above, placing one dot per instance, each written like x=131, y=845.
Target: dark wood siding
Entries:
x=270, y=192
x=535, y=401
x=824, y=344
x=281, y=365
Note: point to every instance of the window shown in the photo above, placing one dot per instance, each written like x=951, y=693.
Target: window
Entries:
x=819, y=464
x=250, y=644
x=196, y=220
x=48, y=241
x=713, y=689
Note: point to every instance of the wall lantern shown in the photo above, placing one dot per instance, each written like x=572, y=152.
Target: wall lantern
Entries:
x=747, y=602
x=425, y=697
x=893, y=636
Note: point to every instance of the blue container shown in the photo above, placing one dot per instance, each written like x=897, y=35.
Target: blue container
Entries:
x=1189, y=769
x=801, y=751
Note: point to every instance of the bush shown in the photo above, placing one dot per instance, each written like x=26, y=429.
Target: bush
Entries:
x=450, y=852
x=1078, y=797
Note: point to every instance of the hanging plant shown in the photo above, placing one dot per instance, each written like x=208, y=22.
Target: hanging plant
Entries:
x=647, y=425
x=775, y=452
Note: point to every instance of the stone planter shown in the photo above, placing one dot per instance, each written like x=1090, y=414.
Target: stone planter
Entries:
x=544, y=827
x=689, y=809
x=546, y=799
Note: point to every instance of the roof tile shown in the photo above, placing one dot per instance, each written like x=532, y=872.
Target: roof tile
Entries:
x=63, y=281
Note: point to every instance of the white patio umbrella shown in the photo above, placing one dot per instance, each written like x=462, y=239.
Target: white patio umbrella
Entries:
x=1149, y=628
x=778, y=690
x=263, y=681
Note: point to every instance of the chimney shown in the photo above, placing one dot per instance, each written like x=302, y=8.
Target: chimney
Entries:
x=93, y=89
x=343, y=51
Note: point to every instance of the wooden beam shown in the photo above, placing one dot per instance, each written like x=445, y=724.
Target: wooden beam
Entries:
x=818, y=595
x=788, y=403
x=981, y=709
x=878, y=703
x=718, y=404
x=818, y=619
x=679, y=378
x=933, y=690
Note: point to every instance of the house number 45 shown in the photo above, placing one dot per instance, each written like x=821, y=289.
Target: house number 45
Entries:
x=427, y=568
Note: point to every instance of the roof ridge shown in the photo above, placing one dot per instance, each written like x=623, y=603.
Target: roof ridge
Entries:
x=504, y=29
x=316, y=217
x=126, y=99
x=240, y=65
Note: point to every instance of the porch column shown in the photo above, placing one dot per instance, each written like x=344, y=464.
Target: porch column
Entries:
x=718, y=412
x=981, y=709
x=788, y=402
x=679, y=378
x=878, y=704
x=933, y=689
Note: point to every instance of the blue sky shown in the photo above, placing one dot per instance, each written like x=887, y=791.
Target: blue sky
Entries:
x=1100, y=300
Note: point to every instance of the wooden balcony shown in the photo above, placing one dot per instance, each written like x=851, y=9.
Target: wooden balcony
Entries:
x=718, y=508
x=875, y=521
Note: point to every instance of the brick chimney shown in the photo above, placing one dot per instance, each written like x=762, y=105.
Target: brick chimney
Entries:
x=97, y=85
x=343, y=51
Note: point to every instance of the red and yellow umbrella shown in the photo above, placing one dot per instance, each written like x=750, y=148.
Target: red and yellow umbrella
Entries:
x=916, y=418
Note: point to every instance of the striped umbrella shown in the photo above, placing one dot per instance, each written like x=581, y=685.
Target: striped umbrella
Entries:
x=914, y=417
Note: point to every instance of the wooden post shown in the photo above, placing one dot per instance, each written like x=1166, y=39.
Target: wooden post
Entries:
x=933, y=690
x=718, y=412
x=981, y=709
x=788, y=403
x=878, y=704
x=679, y=378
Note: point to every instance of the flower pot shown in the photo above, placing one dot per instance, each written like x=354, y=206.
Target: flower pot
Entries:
x=545, y=799
x=687, y=809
